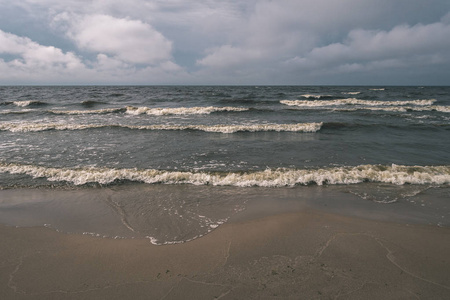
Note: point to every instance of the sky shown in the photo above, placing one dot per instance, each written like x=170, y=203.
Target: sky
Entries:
x=222, y=42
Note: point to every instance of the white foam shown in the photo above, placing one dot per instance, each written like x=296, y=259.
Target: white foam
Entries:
x=394, y=174
x=354, y=101
x=23, y=111
x=22, y=103
x=351, y=93
x=389, y=109
x=25, y=103
x=309, y=96
x=439, y=108
x=32, y=127
x=444, y=109
x=131, y=110
x=181, y=110
x=153, y=240
x=156, y=242
x=382, y=89
x=83, y=112
x=299, y=127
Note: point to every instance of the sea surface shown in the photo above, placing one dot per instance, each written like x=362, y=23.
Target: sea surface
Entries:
x=172, y=163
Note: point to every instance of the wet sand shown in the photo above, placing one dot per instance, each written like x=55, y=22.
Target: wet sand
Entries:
x=306, y=254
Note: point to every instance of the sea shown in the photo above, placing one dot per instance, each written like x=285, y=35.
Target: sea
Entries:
x=173, y=163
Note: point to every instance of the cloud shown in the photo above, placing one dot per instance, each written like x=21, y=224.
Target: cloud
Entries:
x=272, y=32
x=228, y=56
x=30, y=62
x=29, y=55
x=232, y=41
x=306, y=39
x=402, y=46
x=132, y=41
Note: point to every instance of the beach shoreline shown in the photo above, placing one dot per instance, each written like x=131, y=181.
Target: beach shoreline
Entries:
x=168, y=214
x=303, y=254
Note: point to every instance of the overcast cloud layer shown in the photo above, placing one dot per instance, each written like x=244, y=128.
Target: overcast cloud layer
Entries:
x=369, y=42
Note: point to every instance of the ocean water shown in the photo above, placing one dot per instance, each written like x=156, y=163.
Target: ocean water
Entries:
x=172, y=163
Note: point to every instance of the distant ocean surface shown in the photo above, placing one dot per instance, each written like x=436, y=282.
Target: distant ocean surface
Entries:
x=393, y=140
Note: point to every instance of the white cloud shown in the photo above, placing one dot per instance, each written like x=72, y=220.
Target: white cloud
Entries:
x=31, y=62
x=361, y=50
x=104, y=63
x=30, y=54
x=129, y=40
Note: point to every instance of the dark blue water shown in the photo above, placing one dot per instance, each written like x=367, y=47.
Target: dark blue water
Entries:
x=383, y=143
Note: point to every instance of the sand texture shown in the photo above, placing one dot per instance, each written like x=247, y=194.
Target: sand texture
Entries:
x=302, y=255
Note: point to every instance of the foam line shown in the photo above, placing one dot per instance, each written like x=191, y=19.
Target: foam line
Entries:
x=34, y=127
x=394, y=174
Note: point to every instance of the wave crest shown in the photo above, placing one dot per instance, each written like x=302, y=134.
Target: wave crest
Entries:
x=181, y=110
x=312, y=96
x=34, y=127
x=87, y=112
x=28, y=103
x=394, y=174
x=354, y=101
x=438, y=108
x=153, y=111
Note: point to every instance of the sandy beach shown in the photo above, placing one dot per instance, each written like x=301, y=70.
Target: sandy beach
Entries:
x=307, y=254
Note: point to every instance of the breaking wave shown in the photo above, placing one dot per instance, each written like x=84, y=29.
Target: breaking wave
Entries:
x=29, y=103
x=34, y=127
x=394, y=174
x=208, y=110
x=154, y=111
x=87, y=112
x=16, y=112
x=438, y=108
x=181, y=110
x=354, y=101
x=311, y=96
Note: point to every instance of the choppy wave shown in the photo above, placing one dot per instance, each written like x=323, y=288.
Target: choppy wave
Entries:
x=34, y=127
x=438, y=108
x=354, y=101
x=312, y=96
x=237, y=101
x=394, y=174
x=86, y=112
x=91, y=103
x=351, y=93
x=154, y=111
x=381, y=89
x=181, y=110
x=24, y=103
x=31, y=127
x=16, y=112
x=28, y=103
x=371, y=105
